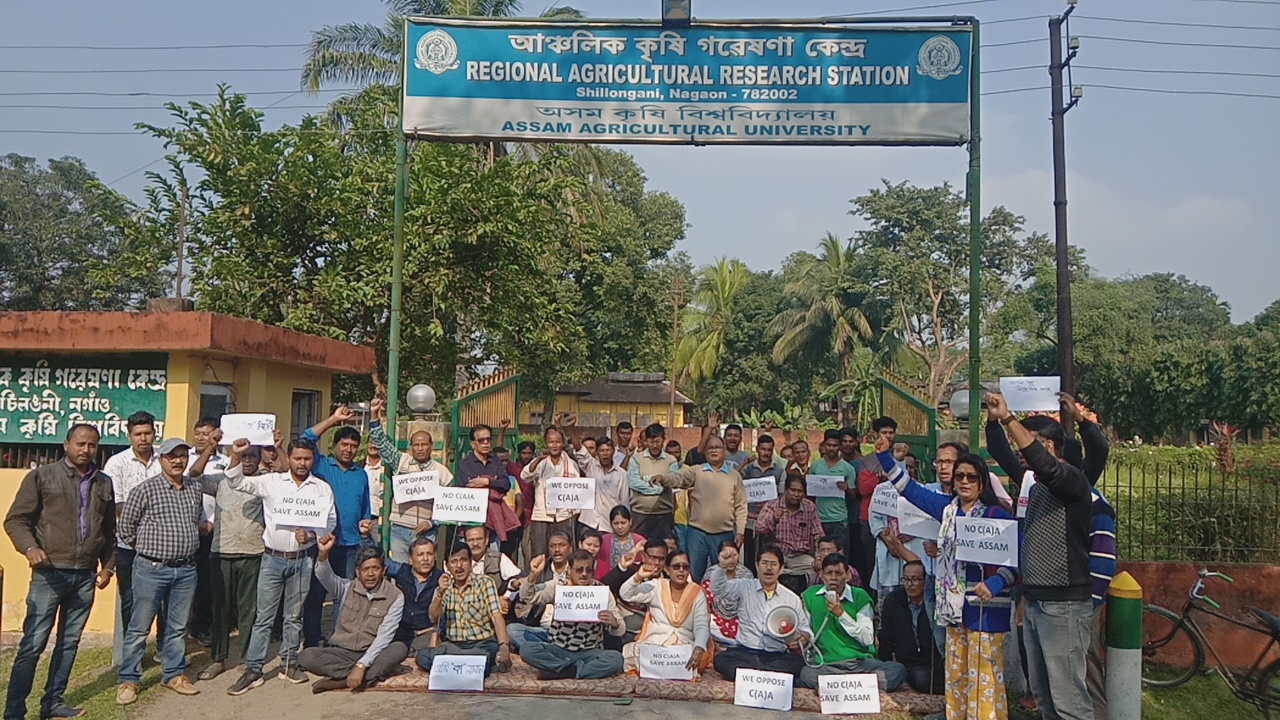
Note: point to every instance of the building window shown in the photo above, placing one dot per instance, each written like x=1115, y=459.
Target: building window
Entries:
x=215, y=401
x=304, y=411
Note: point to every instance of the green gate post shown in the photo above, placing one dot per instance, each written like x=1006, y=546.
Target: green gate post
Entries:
x=974, y=190
x=393, y=344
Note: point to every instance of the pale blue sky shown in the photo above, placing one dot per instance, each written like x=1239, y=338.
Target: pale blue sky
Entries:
x=1182, y=183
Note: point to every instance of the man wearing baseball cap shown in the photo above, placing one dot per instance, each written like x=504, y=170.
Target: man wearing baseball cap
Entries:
x=161, y=522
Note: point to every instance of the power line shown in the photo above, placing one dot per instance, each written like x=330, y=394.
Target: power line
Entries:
x=1222, y=73
x=178, y=95
x=1179, y=44
x=98, y=71
x=1244, y=2
x=153, y=47
x=1014, y=42
x=907, y=9
x=1186, y=92
x=1169, y=23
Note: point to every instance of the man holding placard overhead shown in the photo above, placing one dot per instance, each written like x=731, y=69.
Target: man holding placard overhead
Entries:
x=297, y=507
x=1054, y=564
x=412, y=519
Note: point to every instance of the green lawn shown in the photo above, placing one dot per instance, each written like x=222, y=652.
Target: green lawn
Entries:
x=93, y=684
x=1198, y=699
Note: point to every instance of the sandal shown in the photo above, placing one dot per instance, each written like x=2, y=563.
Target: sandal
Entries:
x=212, y=671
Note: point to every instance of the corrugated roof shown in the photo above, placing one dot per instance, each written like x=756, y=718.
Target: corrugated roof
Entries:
x=613, y=389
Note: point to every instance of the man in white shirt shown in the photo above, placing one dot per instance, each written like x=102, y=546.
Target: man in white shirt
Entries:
x=757, y=648
x=612, y=488
x=287, y=564
x=128, y=469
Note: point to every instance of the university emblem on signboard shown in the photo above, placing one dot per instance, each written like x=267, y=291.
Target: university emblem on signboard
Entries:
x=939, y=57
x=437, y=52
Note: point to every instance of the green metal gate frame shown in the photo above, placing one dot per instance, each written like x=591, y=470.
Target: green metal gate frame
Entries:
x=476, y=405
x=917, y=421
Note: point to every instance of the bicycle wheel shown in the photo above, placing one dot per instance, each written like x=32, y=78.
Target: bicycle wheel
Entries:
x=1268, y=691
x=1171, y=652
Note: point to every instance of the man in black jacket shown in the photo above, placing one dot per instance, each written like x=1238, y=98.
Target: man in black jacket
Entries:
x=63, y=519
x=1054, y=562
x=906, y=635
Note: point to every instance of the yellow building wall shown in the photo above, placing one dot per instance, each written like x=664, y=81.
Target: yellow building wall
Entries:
x=256, y=386
x=593, y=414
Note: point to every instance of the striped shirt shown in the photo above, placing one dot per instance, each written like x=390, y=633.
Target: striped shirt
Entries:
x=1102, y=547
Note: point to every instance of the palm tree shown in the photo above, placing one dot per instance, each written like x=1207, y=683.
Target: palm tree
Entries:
x=702, y=336
x=829, y=315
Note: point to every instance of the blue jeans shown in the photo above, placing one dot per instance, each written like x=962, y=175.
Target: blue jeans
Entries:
x=702, y=550
x=286, y=581
x=343, y=561
x=401, y=538
x=124, y=604
x=890, y=674
x=682, y=536
x=1057, y=639
x=62, y=595
x=587, y=664
x=158, y=588
x=518, y=634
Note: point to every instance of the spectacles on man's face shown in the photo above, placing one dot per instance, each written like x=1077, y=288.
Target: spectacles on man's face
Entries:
x=912, y=580
x=483, y=440
x=943, y=463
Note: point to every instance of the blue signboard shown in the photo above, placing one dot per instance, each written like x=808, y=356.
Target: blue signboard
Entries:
x=709, y=83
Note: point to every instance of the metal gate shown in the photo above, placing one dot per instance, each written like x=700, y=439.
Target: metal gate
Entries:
x=485, y=401
x=917, y=421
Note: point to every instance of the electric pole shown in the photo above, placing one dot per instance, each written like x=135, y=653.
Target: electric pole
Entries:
x=1066, y=339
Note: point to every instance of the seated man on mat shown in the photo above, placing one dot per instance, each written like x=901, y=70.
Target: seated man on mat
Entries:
x=469, y=617
x=360, y=650
x=906, y=632
x=841, y=617
x=574, y=649
x=757, y=648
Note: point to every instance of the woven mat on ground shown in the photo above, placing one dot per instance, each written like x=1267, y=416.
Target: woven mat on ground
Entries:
x=523, y=680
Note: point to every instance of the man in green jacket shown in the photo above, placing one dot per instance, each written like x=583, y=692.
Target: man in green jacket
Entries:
x=841, y=617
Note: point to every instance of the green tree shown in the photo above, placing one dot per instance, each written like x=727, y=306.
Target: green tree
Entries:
x=917, y=245
x=708, y=317
x=829, y=311
x=67, y=242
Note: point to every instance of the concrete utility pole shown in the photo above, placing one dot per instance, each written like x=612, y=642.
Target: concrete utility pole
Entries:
x=1066, y=337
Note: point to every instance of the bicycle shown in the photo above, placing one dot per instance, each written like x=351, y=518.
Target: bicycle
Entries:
x=1173, y=648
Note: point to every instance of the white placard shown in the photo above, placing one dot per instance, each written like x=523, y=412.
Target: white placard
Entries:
x=571, y=493
x=664, y=662
x=761, y=689
x=461, y=506
x=849, y=694
x=1024, y=493
x=1031, y=394
x=823, y=486
x=761, y=489
x=884, y=501
x=990, y=541
x=580, y=603
x=457, y=673
x=297, y=511
x=412, y=487
x=258, y=428
x=915, y=522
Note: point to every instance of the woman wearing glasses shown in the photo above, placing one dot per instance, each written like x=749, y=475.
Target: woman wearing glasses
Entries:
x=973, y=599
x=677, y=615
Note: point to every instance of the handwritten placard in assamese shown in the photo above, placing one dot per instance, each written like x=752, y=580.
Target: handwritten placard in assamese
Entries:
x=762, y=689
x=761, y=489
x=457, y=673
x=461, y=506
x=571, y=493
x=257, y=428
x=413, y=487
x=664, y=662
x=915, y=522
x=849, y=694
x=823, y=486
x=580, y=603
x=1031, y=394
x=990, y=541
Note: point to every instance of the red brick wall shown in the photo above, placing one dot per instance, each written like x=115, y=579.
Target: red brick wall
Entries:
x=1167, y=585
